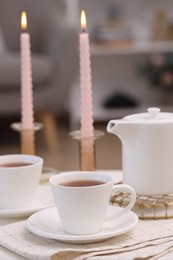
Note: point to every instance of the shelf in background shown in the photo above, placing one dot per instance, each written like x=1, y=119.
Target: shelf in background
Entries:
x=102, y=114
x=131, y=49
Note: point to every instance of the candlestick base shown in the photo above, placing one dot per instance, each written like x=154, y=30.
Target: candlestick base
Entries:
x=87, y=149
x=27, y=137
x=17, y=126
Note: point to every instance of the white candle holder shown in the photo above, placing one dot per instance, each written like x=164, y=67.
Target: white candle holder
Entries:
x=87, y=151
x=27, y=137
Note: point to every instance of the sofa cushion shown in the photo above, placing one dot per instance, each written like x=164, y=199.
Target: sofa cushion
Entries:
x=42, y=68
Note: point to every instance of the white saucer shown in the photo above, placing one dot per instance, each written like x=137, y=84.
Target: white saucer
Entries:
x=46, y=223
x=47, y=172
x=44, y=199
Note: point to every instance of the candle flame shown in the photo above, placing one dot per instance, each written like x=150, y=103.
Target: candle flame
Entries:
x=83, y=20
x=24, y=20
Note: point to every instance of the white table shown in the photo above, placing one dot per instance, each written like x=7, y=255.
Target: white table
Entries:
x=8, y=255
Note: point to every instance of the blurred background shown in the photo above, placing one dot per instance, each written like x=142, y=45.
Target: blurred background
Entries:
x=132, y=69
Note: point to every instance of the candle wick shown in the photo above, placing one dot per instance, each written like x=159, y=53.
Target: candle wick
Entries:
x=84, y=30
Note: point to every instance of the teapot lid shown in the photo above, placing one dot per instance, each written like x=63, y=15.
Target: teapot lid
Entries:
x=153, y=116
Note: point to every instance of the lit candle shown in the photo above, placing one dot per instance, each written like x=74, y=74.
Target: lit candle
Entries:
x=26, y=78
x=87, y=129
x=27, y=114
x=85, y=82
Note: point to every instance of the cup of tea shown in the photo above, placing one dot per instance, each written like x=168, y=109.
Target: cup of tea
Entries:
x=19, y=178
x=82, y=199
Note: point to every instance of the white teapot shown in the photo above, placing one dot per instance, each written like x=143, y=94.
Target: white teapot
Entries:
x=147, y=140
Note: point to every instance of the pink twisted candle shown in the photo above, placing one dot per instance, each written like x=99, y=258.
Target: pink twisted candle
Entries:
x=85, y=83
x=26, y=78
x=87, y=129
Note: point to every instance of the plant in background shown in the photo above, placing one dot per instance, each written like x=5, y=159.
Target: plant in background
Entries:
x=158, y=70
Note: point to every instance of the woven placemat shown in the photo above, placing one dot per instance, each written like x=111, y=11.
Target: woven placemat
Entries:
x=147, y=207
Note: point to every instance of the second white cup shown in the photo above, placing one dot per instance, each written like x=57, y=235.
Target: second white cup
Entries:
x=19, y=178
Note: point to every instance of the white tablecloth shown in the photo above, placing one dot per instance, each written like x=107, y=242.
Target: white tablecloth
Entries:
x=6, y=254
x=148, y=240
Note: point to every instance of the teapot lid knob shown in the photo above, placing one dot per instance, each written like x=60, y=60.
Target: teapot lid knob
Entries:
x=153, y=112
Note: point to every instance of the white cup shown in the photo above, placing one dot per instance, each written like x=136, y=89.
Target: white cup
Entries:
x=82, y=209
x=19, y=178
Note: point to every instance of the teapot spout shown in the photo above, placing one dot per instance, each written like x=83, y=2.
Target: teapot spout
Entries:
x=124, y=129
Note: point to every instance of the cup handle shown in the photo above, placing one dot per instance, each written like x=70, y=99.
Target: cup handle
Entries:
x=123, y=187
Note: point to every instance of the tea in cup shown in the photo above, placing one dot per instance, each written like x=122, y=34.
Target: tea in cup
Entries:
x=19, y=178
x=82, y=199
